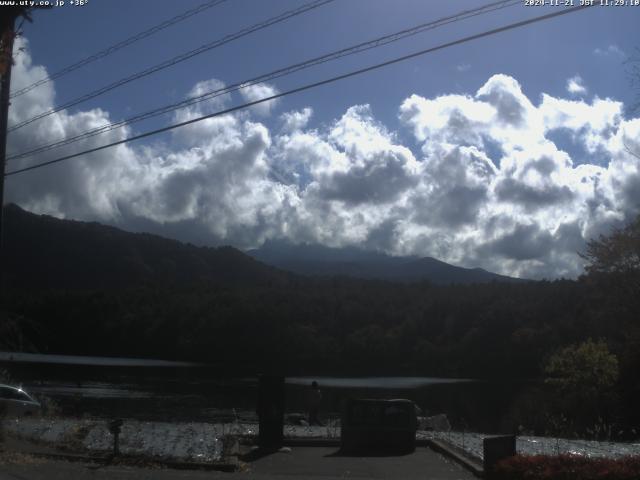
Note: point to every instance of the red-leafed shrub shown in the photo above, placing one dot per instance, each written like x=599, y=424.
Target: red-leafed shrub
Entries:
x=567, y=467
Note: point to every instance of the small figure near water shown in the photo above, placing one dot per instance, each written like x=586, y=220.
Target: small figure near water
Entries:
x=314, y=397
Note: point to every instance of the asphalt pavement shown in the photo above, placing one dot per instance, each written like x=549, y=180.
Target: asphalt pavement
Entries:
x=303, y=462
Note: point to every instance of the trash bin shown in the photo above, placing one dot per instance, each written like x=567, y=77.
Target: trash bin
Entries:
x=270, y=410
x=379, y=425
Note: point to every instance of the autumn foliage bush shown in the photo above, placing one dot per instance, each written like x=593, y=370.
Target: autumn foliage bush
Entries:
x=567, y=467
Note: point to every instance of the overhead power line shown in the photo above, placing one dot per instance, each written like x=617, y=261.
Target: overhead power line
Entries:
x=177, y=59
x=308, y=86
x=118, y=46
x=358, y=48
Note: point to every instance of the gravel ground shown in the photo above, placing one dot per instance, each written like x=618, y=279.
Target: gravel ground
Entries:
x=472, y=444
x=203, y=442
x=199, y=442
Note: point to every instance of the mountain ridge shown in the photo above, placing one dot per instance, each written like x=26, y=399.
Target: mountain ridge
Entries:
x=318, y=260
x=41, y=251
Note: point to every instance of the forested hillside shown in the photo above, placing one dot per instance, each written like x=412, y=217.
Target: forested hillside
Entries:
x=45, y=252
x=259, y=319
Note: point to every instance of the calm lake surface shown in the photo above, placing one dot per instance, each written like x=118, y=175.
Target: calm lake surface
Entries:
x=167, y=391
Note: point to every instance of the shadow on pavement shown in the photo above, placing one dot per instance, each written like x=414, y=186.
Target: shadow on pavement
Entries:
x=369, y=453
x=257, y=453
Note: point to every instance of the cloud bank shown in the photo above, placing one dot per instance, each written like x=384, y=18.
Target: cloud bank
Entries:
x=488, y=186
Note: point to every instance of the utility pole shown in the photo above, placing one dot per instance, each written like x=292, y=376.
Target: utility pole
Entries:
x=8, y=17
x=7, y=34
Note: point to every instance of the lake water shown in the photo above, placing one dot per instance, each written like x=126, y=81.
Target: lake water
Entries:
x=167, y=391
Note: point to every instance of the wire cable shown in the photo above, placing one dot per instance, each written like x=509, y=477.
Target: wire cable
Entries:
x=118, y=46
x=308, y=86
x=175, y=60
x=361, y=47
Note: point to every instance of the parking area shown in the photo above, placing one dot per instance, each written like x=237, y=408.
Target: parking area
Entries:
x=303, y=462
x=326, y=462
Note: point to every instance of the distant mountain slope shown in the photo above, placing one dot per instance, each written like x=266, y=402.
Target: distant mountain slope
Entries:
x=350, y=261
x=45, y=252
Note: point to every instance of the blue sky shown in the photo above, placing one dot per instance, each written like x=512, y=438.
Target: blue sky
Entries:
x=542, y=57
x=340, y=159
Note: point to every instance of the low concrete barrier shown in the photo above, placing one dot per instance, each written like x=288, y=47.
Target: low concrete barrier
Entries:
x=495, y=449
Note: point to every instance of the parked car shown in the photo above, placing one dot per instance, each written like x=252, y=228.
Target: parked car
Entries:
x=15, y=402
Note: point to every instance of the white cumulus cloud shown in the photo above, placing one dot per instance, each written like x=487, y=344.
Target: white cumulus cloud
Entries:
x=612, y=50
x=487, y=185
x=575, y=85
x=259, y=91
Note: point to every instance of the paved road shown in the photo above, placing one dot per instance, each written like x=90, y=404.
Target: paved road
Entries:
x=304, y=462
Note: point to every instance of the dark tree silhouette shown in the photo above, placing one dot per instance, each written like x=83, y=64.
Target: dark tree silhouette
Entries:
x=617, y=257
x=618, y=252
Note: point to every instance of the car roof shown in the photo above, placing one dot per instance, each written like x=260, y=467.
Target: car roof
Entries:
x=11, y=387
x=17, y=389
